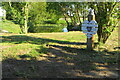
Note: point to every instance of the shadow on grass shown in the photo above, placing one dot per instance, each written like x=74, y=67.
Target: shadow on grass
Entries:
x=18, y=39
x=59, y=62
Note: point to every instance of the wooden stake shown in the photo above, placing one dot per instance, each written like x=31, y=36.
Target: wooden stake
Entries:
x=90, y=41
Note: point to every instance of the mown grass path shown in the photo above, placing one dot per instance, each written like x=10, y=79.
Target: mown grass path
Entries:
x=50, y=55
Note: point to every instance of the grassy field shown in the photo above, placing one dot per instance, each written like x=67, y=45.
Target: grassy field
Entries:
x=57, y=55
x=10, y=26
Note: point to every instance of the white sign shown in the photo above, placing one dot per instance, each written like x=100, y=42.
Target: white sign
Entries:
x=89, y=28
x=2, y=12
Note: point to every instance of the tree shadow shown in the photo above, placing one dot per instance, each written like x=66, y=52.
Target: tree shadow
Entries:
x=59, y=62
x=18, y=39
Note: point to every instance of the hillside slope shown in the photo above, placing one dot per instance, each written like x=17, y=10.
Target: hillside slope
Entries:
x=10, y=26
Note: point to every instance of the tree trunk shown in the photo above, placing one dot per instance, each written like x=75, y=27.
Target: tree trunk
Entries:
x=10, y=4
x=66, y=19
x=26, y=19
x=77, y=12
x=83, y=15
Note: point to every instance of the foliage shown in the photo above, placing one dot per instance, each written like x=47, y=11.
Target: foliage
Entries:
x=71, y=11
x=37, y=12
x=74, y=11
x=54, y=12
x=105, y=16
x=48, y=28
x=37, y=15
x=26, y=14
x=63, y=22
x=18, y=12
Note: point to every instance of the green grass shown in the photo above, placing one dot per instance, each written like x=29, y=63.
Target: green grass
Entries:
x=34, y=51
x=10, y=26
x=30, y=44
x=21, y=49
x=34, y=44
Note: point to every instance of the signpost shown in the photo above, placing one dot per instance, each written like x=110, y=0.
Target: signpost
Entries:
x=90, y=27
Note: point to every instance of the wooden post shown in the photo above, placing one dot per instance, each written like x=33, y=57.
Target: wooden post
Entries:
x=90, y=41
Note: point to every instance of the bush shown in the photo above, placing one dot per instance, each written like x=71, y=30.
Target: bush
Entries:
x=63, y=22
x=49, y=22
x=48, y=28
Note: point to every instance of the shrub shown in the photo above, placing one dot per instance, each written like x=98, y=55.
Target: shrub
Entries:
x=63, y=22
x=48, y=28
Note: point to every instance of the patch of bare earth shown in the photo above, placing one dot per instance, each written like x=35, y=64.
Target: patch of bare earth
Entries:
x=59, y=63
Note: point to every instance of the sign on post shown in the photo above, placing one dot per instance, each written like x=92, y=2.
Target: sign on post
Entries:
x=90, y=27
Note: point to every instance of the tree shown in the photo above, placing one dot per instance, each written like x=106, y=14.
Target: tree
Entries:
x=105, y=16
x=26, y=14
x=18, y=12
x=37, y=12
x=54, y=11
x=37, y=15
x=72, y=12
